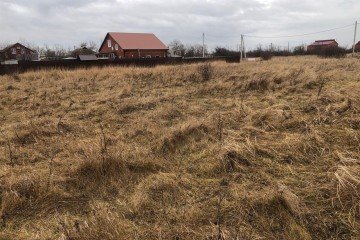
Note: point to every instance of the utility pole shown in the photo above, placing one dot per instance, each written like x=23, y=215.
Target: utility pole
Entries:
x=288, y=46
x=241, y=48
x=244, y=50
x=356, y=23
x=203, y=45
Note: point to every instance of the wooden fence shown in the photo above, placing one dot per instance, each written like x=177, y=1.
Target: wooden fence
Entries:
x=24, y=66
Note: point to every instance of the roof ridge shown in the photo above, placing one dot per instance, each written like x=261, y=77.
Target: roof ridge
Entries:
x=131, y=33
x=325, y=40
x=12, y=45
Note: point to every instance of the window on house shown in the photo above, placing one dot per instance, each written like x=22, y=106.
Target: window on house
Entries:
x=109, y=43
x=13, y=50
x=116, y=47
x=22, y=51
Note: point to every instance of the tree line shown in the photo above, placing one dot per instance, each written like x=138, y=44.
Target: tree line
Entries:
x=178, y=49
x=265, y=52
x=58, y=51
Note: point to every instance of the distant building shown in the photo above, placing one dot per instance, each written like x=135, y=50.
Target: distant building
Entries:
x=357, y=47
x=90, y=57
x=132, y=45
x=18, y=51
x=321, y=44
x=82, y=51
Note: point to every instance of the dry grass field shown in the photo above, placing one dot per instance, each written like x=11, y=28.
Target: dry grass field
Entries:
x=258, y=150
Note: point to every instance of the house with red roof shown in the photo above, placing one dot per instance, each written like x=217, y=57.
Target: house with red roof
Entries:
x=132, y=45
x=319, y=45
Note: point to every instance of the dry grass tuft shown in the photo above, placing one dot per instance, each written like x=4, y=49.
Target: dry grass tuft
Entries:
x=347, y=177
x=156, y=192
x=177, y=138
x=206, y=71
x=103, y=223
x=259, y=83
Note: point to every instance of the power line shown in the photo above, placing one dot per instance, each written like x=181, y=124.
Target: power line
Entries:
x=211, y=36
x=300, y=35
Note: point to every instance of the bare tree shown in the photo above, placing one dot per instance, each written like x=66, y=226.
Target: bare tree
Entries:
x=83, y=45
x=85, y=48
x=60, y=51
x=89, y=45
x=93, y=46
x=177, y=47
x=195, y=50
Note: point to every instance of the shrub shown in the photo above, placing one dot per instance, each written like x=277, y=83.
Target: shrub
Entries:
x=258, y=84
x=206, y=71
x=332, y=52
x=266, y=55
x=299, y=50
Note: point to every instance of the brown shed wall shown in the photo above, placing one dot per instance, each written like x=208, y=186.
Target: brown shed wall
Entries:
x=317, y=48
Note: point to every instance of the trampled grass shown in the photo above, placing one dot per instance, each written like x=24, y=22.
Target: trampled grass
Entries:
x=258, y=150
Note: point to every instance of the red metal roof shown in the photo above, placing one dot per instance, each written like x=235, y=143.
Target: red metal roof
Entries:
x=323, y=42
x=138, y=41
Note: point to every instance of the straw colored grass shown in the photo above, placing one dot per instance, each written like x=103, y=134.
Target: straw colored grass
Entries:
x=257, y=150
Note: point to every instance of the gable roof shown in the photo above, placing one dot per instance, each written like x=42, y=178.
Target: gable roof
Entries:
x=12, y=45
x=140, y=41
x=323, y=42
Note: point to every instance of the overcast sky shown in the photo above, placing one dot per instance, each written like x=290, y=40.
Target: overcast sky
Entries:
x=69, y=22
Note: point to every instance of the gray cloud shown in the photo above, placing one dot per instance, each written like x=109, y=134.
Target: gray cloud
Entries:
x=68, y=22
